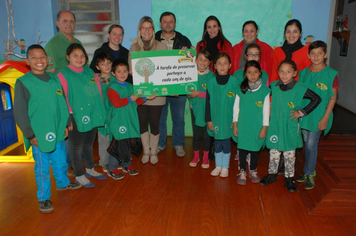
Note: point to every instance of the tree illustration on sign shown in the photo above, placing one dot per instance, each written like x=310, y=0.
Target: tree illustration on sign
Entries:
x=145, y=68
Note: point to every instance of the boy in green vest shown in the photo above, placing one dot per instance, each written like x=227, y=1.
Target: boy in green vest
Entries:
x=322, y=80
x=41, y=113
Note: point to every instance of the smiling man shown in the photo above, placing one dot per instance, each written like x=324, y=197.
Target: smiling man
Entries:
x=57, y=46
x=173, y=40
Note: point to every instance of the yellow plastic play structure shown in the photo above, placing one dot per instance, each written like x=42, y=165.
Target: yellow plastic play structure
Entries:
x=11, y=139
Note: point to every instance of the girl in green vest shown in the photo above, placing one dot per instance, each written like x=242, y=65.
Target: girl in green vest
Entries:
x=250, y=119
x=220, y=98
x=197, y=100
x=284, y=134
x=85, y=103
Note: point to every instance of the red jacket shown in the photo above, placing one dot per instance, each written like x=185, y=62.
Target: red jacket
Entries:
x=266, y=55
x=300, y=58
x=227, y=48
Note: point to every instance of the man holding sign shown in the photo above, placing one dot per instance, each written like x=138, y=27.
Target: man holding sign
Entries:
x=173, y=40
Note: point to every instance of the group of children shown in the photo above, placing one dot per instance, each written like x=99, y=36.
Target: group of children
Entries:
x=256, y=115
x=79, y=104
x=76, y=103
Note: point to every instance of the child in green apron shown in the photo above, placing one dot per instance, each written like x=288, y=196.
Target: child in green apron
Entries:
x=284, y=134
x=250, y=119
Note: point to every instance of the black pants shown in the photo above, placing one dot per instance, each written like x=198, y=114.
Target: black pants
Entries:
x=149, y=115
x=253, y=160
x=200, y=133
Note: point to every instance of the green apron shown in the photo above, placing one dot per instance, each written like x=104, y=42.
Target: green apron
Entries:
x=222, y=98
x=198, y=104
x=250, y=121
x=322, y=84
x=124, y=121
x=104, y=90
x=85, y=99
x=283, y=133
x=47, y=110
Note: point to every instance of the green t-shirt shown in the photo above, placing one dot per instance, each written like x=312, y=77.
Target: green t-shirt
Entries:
x=322, y=84
x=47, y=110
x=56, y=49
x=124, y=121
x=222, y=98
x=198, y=104
x=283, y=133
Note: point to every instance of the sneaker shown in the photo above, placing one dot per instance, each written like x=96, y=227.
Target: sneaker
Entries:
x=160, y=149
x=237, y=155
x=46, y=206
x=70, y=186
x=115, y=174
x=241, y=180
x=309, y=182
x=290, y=185
x=180, y=151
x=105, y=168
x=216, y=171
x=224, y=172
x=254, y=177
x=302, y=178
x=130, y=170
x=120, y=166
x=70, y=172
x=194, y=162
x=268, y=179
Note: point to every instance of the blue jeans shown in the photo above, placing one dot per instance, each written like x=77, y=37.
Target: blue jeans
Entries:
x=311, y=140
x=177, y=105
x=43, y=160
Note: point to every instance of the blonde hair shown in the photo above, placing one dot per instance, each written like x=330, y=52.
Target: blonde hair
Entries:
x=139, y=45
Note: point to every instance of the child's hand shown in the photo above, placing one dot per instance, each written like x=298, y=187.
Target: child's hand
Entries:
x=34, y=142
x=295, y=115
x=151, y=97
x=66, y=132
x=263, y=132
x=234, y=129
x=133, y=98
x=184, y=48
x=322, y=124
x=210, y=125
x=194, y=94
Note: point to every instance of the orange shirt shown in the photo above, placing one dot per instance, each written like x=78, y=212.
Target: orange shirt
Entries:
x=300, y=57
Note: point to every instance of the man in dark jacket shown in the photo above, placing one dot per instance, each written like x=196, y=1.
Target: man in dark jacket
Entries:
x=173, y=40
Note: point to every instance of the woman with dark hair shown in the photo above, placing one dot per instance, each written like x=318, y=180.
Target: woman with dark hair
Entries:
x=250, y=32
x=113, y=47
x=292, y=49
x=214, y=41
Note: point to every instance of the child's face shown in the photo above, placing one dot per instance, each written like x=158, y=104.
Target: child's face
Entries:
x=252, y=54
x=286, y=73
x=37, y=60
x=104, y=67
x=222, y=66
x=252, y=74
x=317, y=56
x=202, y=63
x=76, y=58
x=121, y=73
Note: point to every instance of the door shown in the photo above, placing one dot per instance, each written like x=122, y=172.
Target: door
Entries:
x=8, y=134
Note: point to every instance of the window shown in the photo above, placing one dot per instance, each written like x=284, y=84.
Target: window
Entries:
x=93, y=17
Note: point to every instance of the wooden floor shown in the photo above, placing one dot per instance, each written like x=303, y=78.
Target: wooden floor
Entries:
x=169, y=198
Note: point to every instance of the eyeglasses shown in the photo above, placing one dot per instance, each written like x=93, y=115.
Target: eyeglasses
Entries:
x=146, y=28
x=253, y=55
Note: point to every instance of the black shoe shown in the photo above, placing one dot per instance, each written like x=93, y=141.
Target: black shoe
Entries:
x=281, y=165
x=46, y=206
x=268, y=179
x=290, y=184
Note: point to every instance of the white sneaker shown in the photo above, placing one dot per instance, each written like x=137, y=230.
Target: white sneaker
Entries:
x=159, y=149
x=216, y=171
x=180, y=151
x=224, y=172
